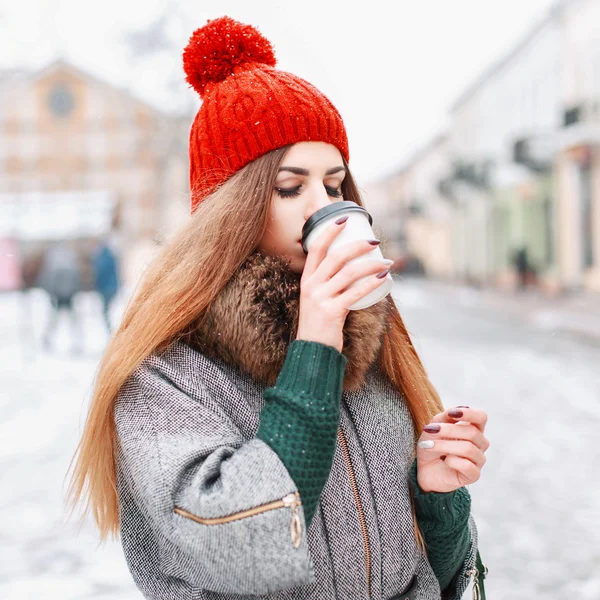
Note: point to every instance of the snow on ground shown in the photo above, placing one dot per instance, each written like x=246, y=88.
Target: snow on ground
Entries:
x=42, y=405
x=536, y=504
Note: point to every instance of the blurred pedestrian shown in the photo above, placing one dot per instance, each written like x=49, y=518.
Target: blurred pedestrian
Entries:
x=231, y=442
x=61, y=277
x=521, y=263
x=106, y=278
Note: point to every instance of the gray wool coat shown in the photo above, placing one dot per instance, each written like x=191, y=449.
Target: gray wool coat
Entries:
x=202, y=508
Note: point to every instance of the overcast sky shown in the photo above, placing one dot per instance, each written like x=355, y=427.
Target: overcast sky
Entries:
x=392, y=68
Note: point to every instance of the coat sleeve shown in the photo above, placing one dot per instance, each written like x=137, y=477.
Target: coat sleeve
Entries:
x=227, y=505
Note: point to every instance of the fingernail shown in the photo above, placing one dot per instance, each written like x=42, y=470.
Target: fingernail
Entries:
x=455, y=414
x=426, y=444
x=432, y=428
x=462, y=423
x=462, y=406
x=382, y=274
x=342, y=220
x=374, y=242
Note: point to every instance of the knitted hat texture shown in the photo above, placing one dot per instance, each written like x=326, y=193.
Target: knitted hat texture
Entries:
x=248, y=106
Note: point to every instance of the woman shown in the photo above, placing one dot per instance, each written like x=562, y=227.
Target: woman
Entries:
x=248, y=434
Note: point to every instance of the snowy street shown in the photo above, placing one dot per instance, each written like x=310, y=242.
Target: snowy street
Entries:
x=537, y=504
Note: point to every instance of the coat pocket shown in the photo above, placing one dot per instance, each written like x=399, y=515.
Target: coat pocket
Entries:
x=291, y=501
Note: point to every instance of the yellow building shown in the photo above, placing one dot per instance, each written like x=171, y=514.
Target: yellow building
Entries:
x=61, y=129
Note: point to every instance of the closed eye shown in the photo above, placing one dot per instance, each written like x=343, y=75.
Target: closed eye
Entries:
x=288, y=192
x=333, y=192
x=295, y=191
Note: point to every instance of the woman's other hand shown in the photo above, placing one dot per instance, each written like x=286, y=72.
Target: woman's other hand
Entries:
x=451, y=450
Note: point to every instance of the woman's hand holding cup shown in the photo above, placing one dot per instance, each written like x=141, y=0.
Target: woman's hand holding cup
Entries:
x=326, y=294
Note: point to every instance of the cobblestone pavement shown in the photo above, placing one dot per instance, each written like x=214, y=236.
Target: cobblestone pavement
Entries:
x=536, y=504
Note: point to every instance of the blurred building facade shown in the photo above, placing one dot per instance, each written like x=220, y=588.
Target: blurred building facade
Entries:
x=414, y=212
x=518, y=168
x=64, y=133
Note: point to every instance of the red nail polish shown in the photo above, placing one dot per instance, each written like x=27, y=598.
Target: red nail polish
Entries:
x=374, y=242
x=455, y=414
x=432, y=428
x=342, y=220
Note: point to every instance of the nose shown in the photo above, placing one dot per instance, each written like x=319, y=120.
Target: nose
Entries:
x=316, y=199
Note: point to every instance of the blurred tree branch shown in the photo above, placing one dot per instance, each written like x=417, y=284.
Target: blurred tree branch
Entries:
x=159, y=44
x=151, y=40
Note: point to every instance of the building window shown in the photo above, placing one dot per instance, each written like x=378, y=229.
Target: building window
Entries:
x=61, y=100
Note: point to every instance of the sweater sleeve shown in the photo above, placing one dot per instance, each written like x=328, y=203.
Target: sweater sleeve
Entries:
x=301, y=416
x=444, y=522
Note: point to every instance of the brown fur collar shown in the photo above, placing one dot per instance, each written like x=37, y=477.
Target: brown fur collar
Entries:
x=253, y=320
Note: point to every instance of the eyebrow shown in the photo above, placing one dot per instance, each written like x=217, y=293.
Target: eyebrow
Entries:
x=299, y=171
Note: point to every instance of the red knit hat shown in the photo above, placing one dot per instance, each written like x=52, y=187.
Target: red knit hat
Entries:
x=248, y=107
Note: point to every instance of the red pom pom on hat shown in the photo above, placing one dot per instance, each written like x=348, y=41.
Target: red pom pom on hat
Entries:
x=222, y=44
x=248, y=107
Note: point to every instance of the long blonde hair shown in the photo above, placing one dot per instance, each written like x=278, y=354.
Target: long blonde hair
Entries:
x=177, y=287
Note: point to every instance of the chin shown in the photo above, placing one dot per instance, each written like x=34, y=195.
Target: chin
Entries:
x=296, y=258
x=297, y=264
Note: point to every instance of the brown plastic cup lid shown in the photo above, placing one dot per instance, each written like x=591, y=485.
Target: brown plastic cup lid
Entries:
x=327, y=212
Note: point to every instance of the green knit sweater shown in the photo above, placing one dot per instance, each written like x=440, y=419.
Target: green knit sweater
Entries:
x=299, y=422
x=444, y=522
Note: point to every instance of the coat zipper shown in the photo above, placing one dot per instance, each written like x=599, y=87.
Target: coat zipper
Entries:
x=477, y=591
x=291, y=501
x=361, y=514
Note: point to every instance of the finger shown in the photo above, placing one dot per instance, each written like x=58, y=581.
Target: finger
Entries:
x=453, y=431
x=319, y=248
x=354, y=294
x=353, y=272
x=462, y=449
x=338, y=258
x=478, y=418
x=468, y=472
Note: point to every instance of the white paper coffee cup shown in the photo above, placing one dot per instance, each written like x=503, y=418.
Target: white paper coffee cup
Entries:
x=358, y=227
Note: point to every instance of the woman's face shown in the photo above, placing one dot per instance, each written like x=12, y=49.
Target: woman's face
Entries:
x=310, y=177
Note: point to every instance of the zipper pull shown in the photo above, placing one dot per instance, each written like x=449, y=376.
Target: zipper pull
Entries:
x=293, y=501
x=476, y=594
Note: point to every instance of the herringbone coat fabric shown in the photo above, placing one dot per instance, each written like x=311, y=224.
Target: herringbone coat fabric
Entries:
x=188, y=458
